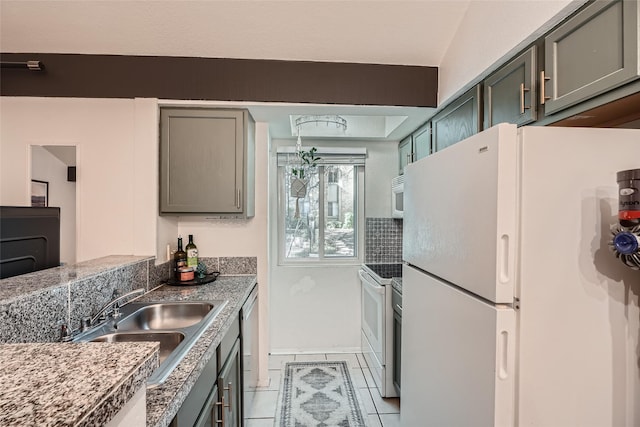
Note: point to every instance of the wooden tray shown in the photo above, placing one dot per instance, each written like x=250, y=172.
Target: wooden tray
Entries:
x=210, y=277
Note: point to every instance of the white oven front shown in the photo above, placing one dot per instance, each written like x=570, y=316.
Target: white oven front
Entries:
x=377, y=324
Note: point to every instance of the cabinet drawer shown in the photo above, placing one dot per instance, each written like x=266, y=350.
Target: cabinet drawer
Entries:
x=227, y=343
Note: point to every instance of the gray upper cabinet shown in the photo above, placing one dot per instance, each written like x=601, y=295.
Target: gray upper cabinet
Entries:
x=405, y=153
x=422, y=142
x=457, y=121
x=591, y=53
x=207, y=162
x=510, y=92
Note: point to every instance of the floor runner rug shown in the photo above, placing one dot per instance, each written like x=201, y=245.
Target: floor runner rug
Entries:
x=319, y=394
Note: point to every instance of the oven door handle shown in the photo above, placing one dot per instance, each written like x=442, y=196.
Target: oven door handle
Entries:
x=368, y=281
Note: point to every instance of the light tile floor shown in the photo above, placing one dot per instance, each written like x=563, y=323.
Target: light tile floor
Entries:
x=381, y=412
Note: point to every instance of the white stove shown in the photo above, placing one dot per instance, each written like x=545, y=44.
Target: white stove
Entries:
x=377, y=323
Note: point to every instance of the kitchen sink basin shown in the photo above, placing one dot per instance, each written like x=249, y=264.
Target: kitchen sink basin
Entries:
x=176, y=325
x=166, y=316
x=168, y=340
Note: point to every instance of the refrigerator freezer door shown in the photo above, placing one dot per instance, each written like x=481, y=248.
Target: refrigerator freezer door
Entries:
x=460, y=213
x=458, y=355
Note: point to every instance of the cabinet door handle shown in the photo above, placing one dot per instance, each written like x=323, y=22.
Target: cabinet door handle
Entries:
x=230, y=389
x=543, y=80
x=238, y=199
x=408, y=158
x=522, y=91
x=222, y=406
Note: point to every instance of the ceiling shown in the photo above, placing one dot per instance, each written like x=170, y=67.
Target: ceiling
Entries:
x=398, y=32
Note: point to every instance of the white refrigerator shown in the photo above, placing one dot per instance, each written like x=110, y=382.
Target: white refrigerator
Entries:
x=515, y=312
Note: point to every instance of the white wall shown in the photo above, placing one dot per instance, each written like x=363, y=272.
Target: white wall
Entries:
x=488, y=31
x=116, y=187
x=317, y=308
x=117, y=182
x=62, y=193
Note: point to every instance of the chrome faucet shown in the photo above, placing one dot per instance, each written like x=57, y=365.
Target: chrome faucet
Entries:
x=112, y=308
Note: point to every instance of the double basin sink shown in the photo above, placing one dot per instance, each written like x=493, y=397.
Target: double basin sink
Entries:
x=176, y=325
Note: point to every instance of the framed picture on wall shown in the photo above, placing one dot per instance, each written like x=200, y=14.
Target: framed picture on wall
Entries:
x=39, y=193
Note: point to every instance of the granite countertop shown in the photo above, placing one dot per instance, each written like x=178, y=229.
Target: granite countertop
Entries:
x=18, y=286
x=164, y=400
x=53, y=384
x=88, y=383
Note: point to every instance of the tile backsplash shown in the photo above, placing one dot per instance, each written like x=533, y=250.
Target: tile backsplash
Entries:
x=383, y=240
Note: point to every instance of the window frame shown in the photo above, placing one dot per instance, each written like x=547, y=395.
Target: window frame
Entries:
x=321, y=259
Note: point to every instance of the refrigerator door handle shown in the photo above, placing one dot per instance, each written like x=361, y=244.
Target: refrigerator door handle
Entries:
x=504, y=259
x=505, y=365
x=503, y=355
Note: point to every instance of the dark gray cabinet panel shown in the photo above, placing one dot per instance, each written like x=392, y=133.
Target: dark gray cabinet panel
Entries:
x=593, y=52
x=207, y=161
x=199, y=404
x=230, y=388
x=422, y=142
x=510, y=92
x=405, y=153
x=209, y=417
x=457, y=121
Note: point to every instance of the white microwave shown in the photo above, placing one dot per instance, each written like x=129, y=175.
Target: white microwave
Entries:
x=397, y=196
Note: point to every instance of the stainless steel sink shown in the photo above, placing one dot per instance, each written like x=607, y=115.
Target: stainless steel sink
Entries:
x=176, y=325
x=169, y=340
x=166, y=316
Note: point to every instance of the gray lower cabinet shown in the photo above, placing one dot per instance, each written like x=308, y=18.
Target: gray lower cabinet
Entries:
x=230, y=377
x=230, y=386
x=200, y=404
x=405, y=153
x=216, y=397
x=510, y=92
x=422, y=142
x=207, y=162
x=209, y=416
x=593, y=52
x=458, y=120
x=397, y=339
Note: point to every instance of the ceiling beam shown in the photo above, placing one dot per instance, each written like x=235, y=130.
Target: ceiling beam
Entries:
x=221, y=79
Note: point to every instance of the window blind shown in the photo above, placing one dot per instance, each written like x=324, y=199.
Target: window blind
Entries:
x=328, y=156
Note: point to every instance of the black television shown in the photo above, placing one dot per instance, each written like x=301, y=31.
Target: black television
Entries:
x=29, y=239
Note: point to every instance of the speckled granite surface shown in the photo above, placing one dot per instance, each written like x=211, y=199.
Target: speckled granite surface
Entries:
x=50, y=384
x=231, y=266
x=18, y=286
x=163, y=401
x=396, y=282
x=34, y=305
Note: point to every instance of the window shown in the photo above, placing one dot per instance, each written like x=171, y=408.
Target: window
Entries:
x=322, y=225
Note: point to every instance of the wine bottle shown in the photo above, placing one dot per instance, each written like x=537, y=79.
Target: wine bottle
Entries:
x=192, y=253
x=179, y=259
